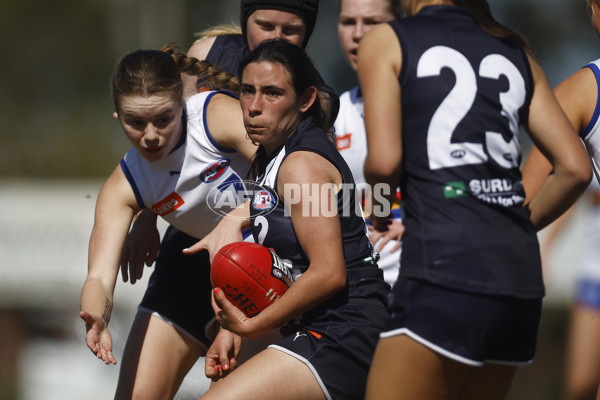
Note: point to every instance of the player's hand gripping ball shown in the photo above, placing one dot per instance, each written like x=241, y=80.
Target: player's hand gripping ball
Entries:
x=250, y=275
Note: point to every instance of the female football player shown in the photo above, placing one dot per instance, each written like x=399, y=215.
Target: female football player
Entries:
x=357, y=17
x=445, y=92
x=184, y=153
x=332, y=314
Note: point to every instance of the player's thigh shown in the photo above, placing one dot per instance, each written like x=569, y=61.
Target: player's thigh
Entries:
x=403, y=368
x=155, y=360
x=271, y=374
x=252, y=347
x=490, y=382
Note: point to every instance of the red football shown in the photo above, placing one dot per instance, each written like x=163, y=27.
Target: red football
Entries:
x=250, y=275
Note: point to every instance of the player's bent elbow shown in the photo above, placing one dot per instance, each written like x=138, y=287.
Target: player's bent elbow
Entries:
x=338, y=281
x=581, y=173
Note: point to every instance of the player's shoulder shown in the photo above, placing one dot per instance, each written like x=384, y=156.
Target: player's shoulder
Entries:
x=201, y=47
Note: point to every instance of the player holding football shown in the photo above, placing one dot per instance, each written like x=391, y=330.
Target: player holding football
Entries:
x=174, y=326
x=333, y=312
x=445, y=91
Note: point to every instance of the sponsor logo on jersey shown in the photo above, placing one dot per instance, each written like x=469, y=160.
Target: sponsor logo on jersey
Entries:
x=491, y=186
x=454, y=189
x=343, y=142
x=172, y=173
x=498, y=191
x=167, y=205
x=214, y=171
x=502, y=192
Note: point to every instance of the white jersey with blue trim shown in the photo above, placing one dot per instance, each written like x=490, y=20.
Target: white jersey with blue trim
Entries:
x=591, y=133
x=351, y=142
x=196, y=183
x=350, y=133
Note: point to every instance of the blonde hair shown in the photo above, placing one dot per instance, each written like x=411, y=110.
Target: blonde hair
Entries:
x=219, y=30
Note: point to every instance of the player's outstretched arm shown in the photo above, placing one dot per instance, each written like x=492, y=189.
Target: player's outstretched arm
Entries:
x=115, y=209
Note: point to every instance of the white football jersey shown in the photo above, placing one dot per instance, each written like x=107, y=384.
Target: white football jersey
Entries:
x=195, y=185
x=591, y=133
x=351, y=142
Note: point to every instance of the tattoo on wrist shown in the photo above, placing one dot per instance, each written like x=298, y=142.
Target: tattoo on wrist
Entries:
x=107, y=311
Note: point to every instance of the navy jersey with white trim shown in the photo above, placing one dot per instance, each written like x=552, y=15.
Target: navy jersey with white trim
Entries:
x=464, y=93
x=271, y=224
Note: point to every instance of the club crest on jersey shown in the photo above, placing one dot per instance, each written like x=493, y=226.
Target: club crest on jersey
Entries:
x=214, y=171
x=263, y=200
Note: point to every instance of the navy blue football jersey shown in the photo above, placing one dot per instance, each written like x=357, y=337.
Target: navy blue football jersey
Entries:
x=271, y=223
x=464, y=95
x=227, y=53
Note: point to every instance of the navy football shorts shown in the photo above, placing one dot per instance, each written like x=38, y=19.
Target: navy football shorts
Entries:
x=470, y=328
x=179, y=290
x=337, y=340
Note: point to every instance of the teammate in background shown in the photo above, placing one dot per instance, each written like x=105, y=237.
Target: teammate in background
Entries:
x=260, y=20
x=445, y=91
x=578, y=96
x=357, y=17
x=182, y=150
x=333, y=312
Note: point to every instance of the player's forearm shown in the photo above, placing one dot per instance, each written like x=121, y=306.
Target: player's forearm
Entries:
x=383, y=181
x=96, y=299
x=556, y=195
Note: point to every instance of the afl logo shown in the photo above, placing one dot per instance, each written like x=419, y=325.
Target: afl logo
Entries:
x=508, y=157
x=263, y=200
x=277, y=273
x=458, y=154
x=214, y=171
